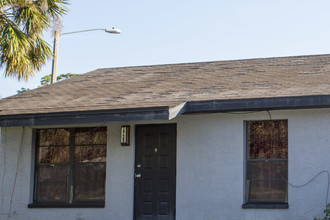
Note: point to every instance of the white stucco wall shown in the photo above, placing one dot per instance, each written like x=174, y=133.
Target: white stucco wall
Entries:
x=210, y=167
x=119, y=180
x=210, y=170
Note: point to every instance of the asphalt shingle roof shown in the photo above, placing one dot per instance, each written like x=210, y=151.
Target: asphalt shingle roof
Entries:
x=170, y=85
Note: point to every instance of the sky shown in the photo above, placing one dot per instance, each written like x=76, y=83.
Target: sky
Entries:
x=172, y=31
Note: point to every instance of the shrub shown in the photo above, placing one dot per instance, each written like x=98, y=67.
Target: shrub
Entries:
x=326, y=214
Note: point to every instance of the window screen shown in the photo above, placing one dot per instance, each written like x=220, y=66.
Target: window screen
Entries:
x=267, y=161
x=70, y=165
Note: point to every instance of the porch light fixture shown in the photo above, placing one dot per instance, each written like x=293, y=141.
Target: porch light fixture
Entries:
x=125, y=135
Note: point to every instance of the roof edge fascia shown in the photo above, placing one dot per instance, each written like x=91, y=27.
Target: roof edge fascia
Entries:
x=166, y=113
x=177, y=110
x=258, y=104
x=86, y=117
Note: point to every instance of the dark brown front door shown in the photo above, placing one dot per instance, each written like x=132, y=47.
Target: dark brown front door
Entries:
x=155, y=172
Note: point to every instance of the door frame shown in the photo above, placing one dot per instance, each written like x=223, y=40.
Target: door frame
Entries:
x=135, y=163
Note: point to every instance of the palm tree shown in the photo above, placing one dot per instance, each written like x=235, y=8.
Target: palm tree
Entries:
x=22, y=22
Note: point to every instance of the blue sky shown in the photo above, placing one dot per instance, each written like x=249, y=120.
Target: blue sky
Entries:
x=164, y=32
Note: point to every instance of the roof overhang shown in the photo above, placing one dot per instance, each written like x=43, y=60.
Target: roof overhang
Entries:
x=85, y=117
x=259, y=104
x=164, y=112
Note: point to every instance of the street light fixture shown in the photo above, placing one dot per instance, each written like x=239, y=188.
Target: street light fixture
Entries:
x=56, y=42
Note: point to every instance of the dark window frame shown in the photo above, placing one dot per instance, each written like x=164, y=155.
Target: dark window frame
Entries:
x=262, y=204
x=70, y=201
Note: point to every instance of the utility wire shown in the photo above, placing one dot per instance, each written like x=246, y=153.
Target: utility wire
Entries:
x=17, y=165
x=4, y=165
x=308, y=182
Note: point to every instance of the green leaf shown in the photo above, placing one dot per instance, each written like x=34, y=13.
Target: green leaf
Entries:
x=22, y=22
x=46, y=79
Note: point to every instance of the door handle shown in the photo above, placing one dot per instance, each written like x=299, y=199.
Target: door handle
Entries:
x=138, y=175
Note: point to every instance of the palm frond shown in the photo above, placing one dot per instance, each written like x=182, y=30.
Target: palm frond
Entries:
x=22, y=49
x=32, y=20
x=39, y=52
x=56, y=8
x=14, y=45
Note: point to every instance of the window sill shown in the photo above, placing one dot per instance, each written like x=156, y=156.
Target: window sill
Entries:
x=61, y=205
x=265, y=206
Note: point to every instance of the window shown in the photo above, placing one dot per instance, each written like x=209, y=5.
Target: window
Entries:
x=267, y=161
x=70, y=166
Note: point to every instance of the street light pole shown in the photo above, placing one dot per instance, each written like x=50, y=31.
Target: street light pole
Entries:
x=56, y=44
x=55, y=55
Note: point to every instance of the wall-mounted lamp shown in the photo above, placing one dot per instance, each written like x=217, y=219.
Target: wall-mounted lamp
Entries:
x=125, y=135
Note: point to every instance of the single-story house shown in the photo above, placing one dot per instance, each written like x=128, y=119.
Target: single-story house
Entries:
x=240, y=139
